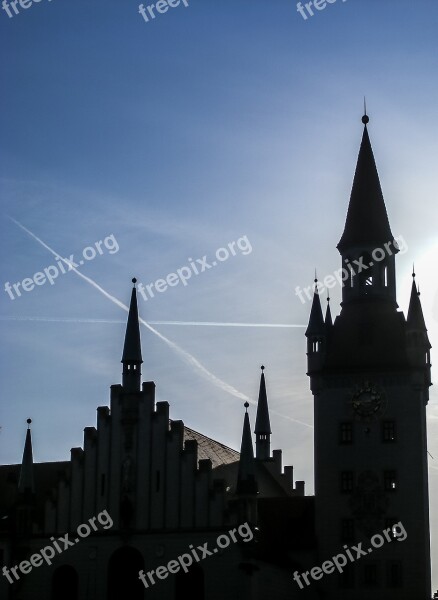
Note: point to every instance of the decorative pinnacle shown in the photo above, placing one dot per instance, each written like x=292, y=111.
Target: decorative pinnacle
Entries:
x=262, y=367
x=246, y=405
x=28, y=421
x=134, y=280
x=413, y=270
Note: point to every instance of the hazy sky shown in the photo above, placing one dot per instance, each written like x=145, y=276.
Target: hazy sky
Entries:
x=166, y=140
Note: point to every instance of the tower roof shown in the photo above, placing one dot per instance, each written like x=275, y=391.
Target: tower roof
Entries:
x=26, y=483
x=316, y=320
x=367, y=221
x=132, y=347
x=262, y=424
x=415, y=319
x=246, y=479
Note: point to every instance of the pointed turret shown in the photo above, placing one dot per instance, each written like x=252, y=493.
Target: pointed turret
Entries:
x=132, y=358
x=316, y=334
x=263, y=424
x=418, y=344
x=415, y=319
x=246, y=478
x=26, y=483
x=316, y=320
x=328, y=316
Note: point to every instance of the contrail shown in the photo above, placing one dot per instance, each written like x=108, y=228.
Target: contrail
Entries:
x=187, y=357
x=187, y=323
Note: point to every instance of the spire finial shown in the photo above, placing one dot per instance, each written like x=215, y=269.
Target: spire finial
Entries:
x=28, y=421
x=328, y=296
x=246, y=405
x=262, y=368
x=134, y=280
x=413, y=270
x=365, y=118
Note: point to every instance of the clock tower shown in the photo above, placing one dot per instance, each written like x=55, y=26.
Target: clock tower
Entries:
x=369, y=374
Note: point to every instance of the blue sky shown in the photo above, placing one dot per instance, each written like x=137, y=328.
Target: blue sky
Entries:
x=176, y=137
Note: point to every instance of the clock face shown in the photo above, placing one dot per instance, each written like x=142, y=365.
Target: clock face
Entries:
x=367, y=401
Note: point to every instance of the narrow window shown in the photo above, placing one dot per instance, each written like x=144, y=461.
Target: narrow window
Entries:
x=346, y=433
x=390, y=481
x=347, y=480
x=370, y=575
x=388, y=431
x=390, y=523
x=346, y=579
x=394, y=574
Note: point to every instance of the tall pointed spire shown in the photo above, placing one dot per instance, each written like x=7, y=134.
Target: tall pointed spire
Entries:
x=263, y=424
x=26, y=483
x=246, y=478
x=367, y=223
x=132, y=358
x=316, y=320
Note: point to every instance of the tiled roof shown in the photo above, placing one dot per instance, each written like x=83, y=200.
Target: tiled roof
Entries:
x=218, y=453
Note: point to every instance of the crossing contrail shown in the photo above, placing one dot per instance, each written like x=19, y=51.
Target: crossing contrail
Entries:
x=186, y=356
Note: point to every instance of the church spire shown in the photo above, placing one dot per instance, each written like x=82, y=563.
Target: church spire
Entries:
x=367, y=223
x=26, y=483
x=263, y=425
x=246, y=478
x=132, y=358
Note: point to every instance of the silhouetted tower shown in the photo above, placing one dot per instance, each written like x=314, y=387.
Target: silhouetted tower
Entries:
x=370, y=376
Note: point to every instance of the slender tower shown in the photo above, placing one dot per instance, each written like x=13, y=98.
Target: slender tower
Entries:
x=369, y=374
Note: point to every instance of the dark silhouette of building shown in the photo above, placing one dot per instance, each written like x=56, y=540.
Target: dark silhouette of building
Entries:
x=166, y=491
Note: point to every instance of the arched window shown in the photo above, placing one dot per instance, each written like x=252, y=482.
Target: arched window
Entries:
x=123, y=569
x=190, y=584
x=65, y=584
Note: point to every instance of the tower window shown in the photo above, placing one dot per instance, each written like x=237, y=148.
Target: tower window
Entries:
x=390, y=481
x=388, y=431
x=390, y=523
x=346, y=433
x=347, y=530
x=346, y=579
x=394, y=574
x=347, y=482
x=370, y=575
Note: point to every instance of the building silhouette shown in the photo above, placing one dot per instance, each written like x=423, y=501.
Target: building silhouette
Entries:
x=158, y=490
